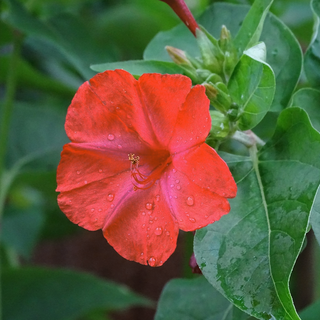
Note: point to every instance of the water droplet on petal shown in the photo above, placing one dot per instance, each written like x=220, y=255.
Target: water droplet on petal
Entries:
x=119, y=146
x=168, y=233
x=149, y=206
x=92, y=209
x=150, y=221
x=190, y=201
x=192, y=219
x=158, y=231
x=112, y=206
x=158, y=197
x=178, y=187
x=143, y=225
x=110, y=197
x=85, y=182
x=172, y=185
x=152, y=262
x=78, y=172
x=100, y=210
x=100, y=170
x=110, y=137
x=177, y=181
x=174, y=170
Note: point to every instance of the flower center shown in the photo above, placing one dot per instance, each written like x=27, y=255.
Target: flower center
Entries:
x=140, y=180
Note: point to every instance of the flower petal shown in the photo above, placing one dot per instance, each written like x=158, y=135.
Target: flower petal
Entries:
x=162, y=96
x=203, y=166
x=82, y=164
x=120, y=94
x=91, y=205
x=142, y=228
x=193, y=122
x=193, y=207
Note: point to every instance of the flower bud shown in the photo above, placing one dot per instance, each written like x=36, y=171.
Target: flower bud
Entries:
x=218, y=97
x=233, y=112
x=229, y=50
x=220, y=126
x=209, y=54
x=178, y=56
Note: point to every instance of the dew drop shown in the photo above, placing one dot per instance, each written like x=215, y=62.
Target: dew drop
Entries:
x=178, y=187
x=92, y=210
x=155, y=219
x=78, y=172
x=174, y=170
x=152, y=262
x=168, y=233
x=177, y=181
x=100, y=210
x=192, y=219
x=119, y=146
x=110, y=197
x=158, y=231
x=100, y=170
x=172, y=185
x=110, y=137
x=143, y=213
x=112, y=206
x=149, y=206
x=150, y=221
x=158, y=197
x=190, y=201
x=143, y=225
x=85, y=182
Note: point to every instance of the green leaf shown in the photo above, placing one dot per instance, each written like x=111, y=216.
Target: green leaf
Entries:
x=252, y=87
x=311, y=312
x=195, y=299
x=251, y=28
x=308, y=99
x=35, y=133
x=283, y=50
x=139, y=67
x=312, y=55
x=72, y=37
x=21, y=229
x=38, y=293
x=248, y=255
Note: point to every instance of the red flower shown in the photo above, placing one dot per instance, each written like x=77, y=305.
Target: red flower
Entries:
x=138, y=167
x=183, y=12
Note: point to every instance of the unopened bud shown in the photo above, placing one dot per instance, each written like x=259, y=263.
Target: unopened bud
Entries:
x=229, y=50
x=233, y=112
x=178, y=56
x=218, y=98
x=220, y=126
x=208, y=50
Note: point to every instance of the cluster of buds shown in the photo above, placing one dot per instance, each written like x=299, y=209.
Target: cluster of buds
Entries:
x=212, y=69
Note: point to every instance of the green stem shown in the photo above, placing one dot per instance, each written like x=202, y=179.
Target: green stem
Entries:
x=5, y=120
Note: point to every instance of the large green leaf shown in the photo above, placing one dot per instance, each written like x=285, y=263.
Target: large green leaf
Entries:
x=38, y=293
x=312, y=56
x=283, y=50
x=252, y=87
x=249, y=254
x=251, y=28
x=308, y=99
x=139, y=67
x=195, y=299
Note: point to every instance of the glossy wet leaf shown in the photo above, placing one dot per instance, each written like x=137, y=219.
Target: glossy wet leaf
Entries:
x=308, y=99
x=283, y=50
x=248, y=255
x=312, y=56
x=251, y=27
x=139, y=67
x=193, y=299
x=252, y=87
x=39, y=293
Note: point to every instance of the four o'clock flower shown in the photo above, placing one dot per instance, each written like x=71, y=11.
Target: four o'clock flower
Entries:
x=183, y=12
x=137, y=166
